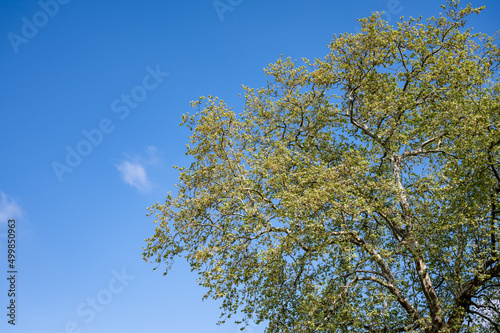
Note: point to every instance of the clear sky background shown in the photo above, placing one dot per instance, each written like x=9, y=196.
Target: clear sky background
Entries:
x=72, y=71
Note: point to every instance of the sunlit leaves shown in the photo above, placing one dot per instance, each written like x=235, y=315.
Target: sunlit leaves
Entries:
x=359, y=192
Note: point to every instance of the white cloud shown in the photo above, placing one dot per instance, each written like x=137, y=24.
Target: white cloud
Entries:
x=134, y=174
x=135, y=168
x=8, y=208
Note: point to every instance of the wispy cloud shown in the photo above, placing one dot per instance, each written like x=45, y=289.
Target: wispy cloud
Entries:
x=9, y=208
x=134, y=174
x=134, y=169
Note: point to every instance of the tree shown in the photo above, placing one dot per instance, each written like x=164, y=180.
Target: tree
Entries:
x=354, y=193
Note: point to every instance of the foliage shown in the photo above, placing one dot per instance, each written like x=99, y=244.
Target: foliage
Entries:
x=354, y=193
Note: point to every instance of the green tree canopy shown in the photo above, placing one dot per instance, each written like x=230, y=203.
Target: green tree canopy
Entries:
x=354, y=193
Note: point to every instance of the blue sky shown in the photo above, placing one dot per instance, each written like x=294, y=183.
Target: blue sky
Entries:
x=92, y=94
